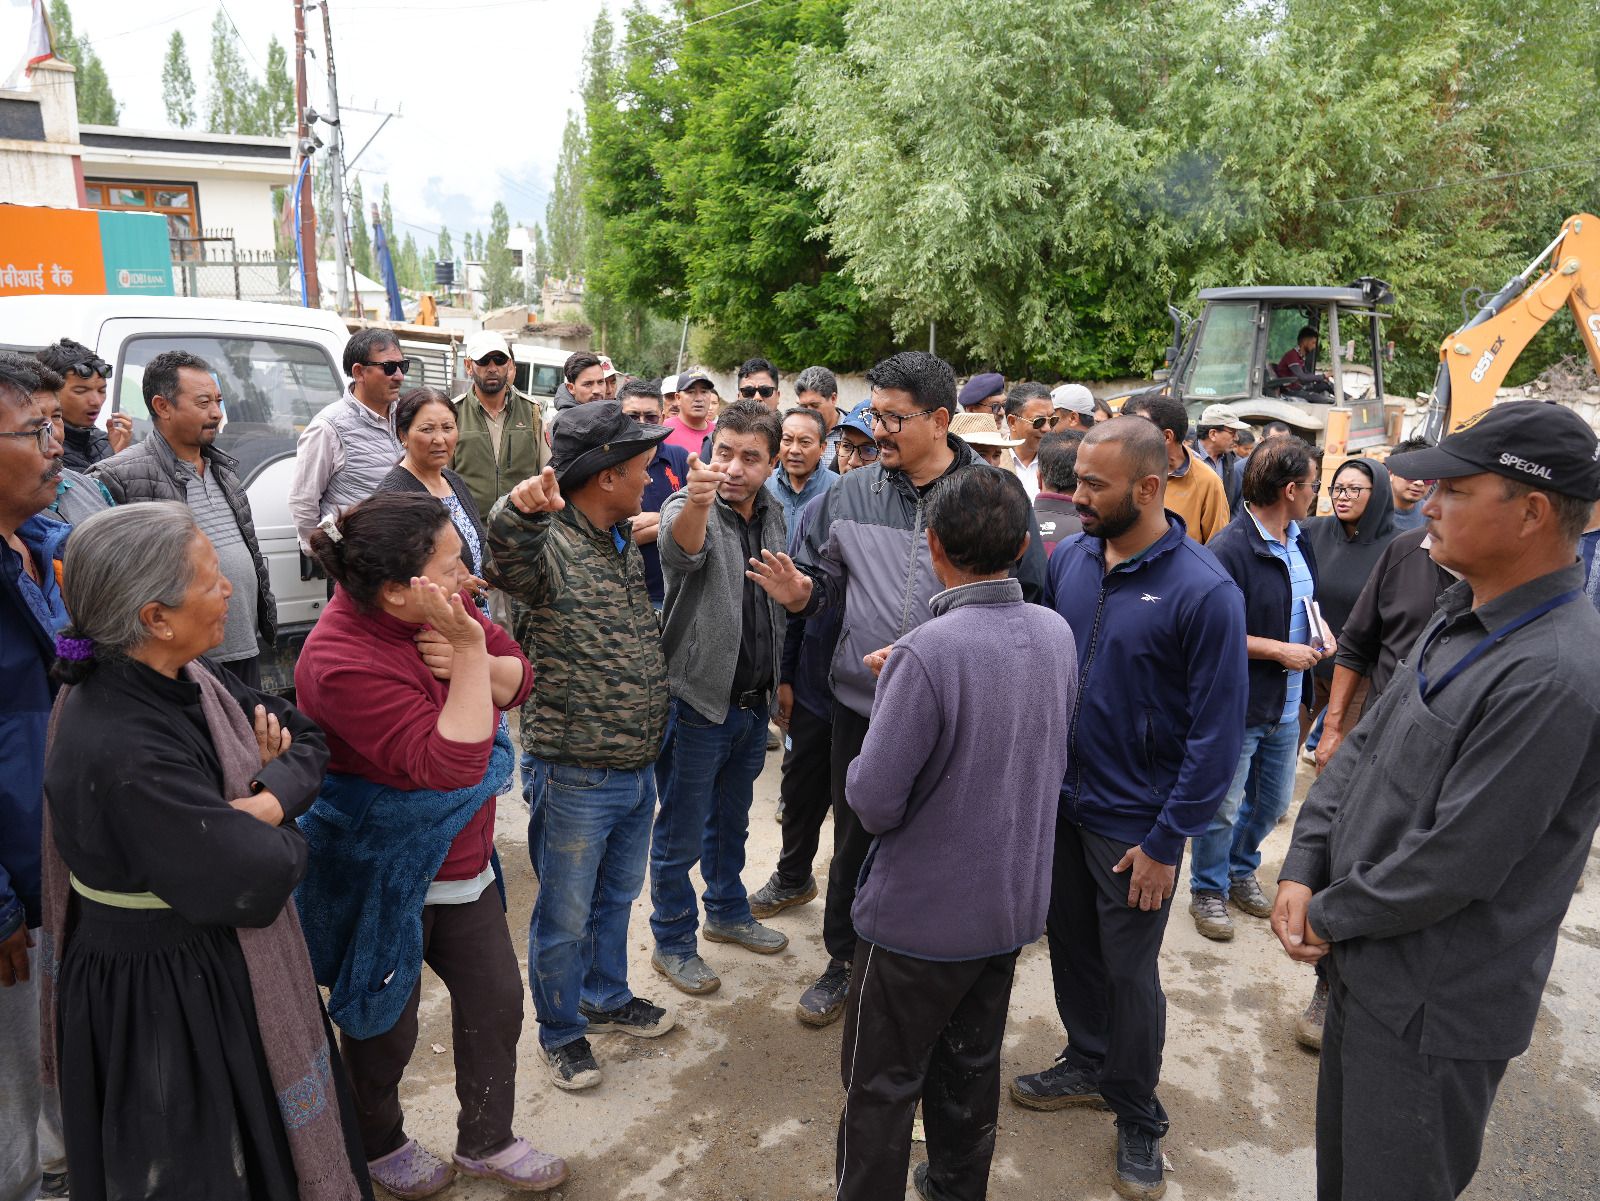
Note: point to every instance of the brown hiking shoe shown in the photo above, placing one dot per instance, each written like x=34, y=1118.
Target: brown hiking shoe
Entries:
x=1210, y=913
x=1308, y=1026
x=1246, y=894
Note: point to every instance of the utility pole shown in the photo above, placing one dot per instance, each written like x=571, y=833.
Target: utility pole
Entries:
x=307, y=233
x=336, y=171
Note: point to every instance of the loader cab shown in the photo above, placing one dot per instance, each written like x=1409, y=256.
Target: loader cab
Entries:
x=1231, y=352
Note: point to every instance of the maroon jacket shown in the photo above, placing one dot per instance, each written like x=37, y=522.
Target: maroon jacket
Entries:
x=362, y=680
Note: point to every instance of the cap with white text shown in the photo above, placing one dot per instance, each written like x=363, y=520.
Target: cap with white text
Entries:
x=1533, y=442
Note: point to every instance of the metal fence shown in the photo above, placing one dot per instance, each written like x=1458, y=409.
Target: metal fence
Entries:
x=212, y=266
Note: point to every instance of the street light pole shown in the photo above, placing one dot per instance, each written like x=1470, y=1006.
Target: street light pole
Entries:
x=307, y=233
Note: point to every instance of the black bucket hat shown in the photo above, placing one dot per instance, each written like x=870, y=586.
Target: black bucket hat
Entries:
x=597, y=435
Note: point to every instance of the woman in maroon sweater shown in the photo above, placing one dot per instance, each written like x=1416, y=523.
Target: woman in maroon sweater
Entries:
x=407, y=678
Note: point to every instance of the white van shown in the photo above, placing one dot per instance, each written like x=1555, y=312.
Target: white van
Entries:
x=539, y=372
x=277, y=366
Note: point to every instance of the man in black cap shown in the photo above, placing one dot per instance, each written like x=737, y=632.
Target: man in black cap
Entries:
x=592, y=727
x=1434, y=858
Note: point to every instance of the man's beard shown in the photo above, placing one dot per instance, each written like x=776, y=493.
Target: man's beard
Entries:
x=1113, y=524
x=490, y=386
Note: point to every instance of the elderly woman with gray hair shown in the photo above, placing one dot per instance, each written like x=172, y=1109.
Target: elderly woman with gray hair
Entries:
x=183, y=1025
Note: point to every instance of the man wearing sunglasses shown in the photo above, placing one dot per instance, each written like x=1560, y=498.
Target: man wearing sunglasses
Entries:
x=83, y=396
x=758, y=380
x=1030, y=415
x=501, y=440
x=347, y=449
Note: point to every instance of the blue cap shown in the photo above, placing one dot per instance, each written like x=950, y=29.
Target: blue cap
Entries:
x=980, y=388
x=858, y=420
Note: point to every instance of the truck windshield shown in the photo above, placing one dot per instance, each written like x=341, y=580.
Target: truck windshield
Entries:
x=270, y=389
x=1222, y=358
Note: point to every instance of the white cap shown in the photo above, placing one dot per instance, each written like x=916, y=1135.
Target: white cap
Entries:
x=485, y=342
x=606, y=369
x=1221, y=415
x=669, y=385
x=1075, y=398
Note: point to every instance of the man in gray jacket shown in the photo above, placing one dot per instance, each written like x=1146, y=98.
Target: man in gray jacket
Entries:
x=723, y=638
x=1434, y=858
x=178, y=462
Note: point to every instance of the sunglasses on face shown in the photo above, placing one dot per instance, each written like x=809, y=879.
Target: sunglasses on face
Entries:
x=493, y=360
x=1049, y=422
x=403, y=366
x=764, y=391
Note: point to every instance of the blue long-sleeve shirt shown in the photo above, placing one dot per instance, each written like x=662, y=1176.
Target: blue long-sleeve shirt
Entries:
x=1162, y=688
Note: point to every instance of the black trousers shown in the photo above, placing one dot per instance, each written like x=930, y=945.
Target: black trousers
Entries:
x=806, y=792
x=1104, y=964
x=469, y=948
x=1394, y=1124
x=850, y=841
x=918, y=1029
x=247, y=671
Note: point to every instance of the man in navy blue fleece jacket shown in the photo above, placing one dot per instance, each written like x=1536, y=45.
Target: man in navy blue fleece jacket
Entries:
x=957, y=878
x=1154, y=744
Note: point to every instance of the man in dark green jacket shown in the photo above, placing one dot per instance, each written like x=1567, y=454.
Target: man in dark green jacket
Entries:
x=501, y=440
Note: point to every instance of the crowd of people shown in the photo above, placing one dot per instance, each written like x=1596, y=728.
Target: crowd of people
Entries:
x=647, y=580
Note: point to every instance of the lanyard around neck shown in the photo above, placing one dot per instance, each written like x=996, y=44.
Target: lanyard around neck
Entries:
x=1490, y=640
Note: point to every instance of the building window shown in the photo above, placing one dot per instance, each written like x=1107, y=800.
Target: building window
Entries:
x=178, y=202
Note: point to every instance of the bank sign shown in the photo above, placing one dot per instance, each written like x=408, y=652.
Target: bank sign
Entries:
x=78, y=252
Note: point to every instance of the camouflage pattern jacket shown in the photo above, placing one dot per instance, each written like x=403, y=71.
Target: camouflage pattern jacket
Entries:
x=585, y=621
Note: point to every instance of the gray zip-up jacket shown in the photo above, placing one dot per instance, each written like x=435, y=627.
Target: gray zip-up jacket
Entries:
x=703, y=613
x=867, y=550
x=1445, y=838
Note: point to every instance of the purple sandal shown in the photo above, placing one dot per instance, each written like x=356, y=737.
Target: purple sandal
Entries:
x=412, y=1172
x=519, y=1166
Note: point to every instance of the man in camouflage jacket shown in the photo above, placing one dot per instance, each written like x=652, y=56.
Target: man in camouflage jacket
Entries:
x=591, y=729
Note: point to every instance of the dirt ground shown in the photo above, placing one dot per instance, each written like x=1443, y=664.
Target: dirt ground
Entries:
x=740, y=1103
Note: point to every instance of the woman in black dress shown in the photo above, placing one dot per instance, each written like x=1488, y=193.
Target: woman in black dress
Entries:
x=193, y=1056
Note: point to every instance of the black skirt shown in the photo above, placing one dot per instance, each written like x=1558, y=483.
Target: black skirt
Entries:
x=165, y=1092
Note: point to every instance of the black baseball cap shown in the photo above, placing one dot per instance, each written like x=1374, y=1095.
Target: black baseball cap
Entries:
x=1534, y=442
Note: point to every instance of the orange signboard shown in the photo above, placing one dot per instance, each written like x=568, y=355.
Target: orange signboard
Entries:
x=50, y=252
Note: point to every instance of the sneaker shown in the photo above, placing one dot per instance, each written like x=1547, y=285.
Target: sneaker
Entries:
x=1246, y=894
x=1139, y=1175
x=572, y=1066
x=520, y=1166
x=412, y=1171
x=823, y=1002
x=773, y=898
x=1308, y=1026
x=1057, y=1087
x=777, y=815
x=751, y=935
x=1210, y=913
x=638, y=1017
x=774, y=739
x=54, y=1185
x=688, y=973
x=1308, y=755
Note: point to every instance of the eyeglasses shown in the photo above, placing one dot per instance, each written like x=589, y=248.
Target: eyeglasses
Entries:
x=895, y=422
x=403, y=366
x=1314, y=485
x=91, y=369
x=751, y=391
x=494, y=359
x=867, y=452
x=1346, y=491
x=41, y=433
x=644, y=416
x=1040, y=423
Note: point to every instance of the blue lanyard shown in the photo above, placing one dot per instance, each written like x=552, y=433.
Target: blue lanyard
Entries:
x=1491, y=639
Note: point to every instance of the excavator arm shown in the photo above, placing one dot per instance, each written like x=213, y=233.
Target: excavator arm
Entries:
x=1474, y=360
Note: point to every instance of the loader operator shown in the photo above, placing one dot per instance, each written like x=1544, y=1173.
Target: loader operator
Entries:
x=1296, y=367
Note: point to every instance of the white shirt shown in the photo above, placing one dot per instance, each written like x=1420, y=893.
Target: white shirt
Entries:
x=1027, y=473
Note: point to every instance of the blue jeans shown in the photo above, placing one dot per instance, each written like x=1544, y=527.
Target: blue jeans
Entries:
x=705, y=817
x=588, y=835
x=1314, y=735
x=1263, y=785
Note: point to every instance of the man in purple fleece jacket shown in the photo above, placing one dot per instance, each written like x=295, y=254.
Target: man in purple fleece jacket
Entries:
x=957, y=879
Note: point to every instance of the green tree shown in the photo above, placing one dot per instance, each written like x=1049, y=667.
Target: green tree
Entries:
x=386, y=211
x=408, y=265
x=96, y=103
x=275, y=112
x=564, y=211
x=360, y=234
x=177, y=83
x=446, y=252
x=1041, y=177
x=500, y=283
x=233, y=103
x=694, y=208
